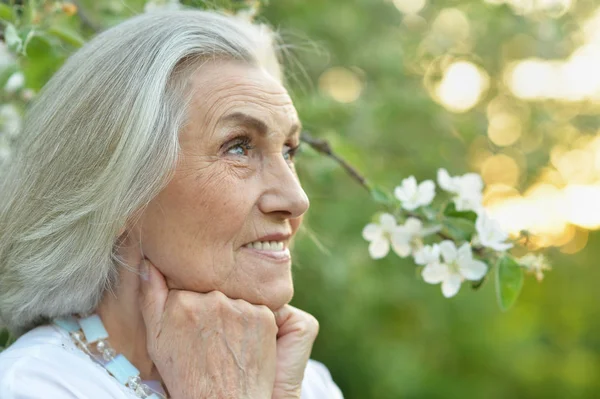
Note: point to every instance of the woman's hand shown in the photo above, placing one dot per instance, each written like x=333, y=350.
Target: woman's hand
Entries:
x=297, y=333
x=211, y=346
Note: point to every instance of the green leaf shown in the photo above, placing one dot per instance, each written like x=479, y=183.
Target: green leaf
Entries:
x=509, y=281
x=12, y=39
x=381, y=196
x=459, y=229
x=67, y=35
x=6, y=13
x=451, y=211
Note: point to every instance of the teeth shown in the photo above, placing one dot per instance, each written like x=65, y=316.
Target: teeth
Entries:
x=267, y=245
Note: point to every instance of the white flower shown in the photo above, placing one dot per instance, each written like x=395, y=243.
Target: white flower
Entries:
x=10, y=120
x=381, y=235
x=467, y=189
x=15, y=82
x=458, y=265
x=490, y=234
x=427, y=255
x=535, y=264
x=162, y=5
x=412, y=195
x=408, y=237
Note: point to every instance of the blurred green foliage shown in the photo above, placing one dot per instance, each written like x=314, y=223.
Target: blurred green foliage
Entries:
x=384, y=333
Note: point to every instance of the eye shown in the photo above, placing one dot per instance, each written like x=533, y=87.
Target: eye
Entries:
x=290, y=152
x=239, y=146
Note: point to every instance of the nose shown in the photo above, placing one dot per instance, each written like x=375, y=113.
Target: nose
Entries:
x=283, y=193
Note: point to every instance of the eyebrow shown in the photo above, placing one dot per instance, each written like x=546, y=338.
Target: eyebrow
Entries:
x=255, y=123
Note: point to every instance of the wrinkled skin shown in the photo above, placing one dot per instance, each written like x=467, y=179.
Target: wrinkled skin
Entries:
x=213, y=317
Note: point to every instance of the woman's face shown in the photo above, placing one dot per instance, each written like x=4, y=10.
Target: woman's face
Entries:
x=226, y=219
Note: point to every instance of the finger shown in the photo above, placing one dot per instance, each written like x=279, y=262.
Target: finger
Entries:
x=290, y=319
x=153, y=294
x=282, y=315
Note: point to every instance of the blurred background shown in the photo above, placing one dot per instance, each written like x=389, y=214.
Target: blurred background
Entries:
x=509, y=89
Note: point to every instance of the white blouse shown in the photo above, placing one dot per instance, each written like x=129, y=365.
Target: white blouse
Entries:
x=45, y=363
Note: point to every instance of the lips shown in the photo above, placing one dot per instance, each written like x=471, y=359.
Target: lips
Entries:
x=274, y=247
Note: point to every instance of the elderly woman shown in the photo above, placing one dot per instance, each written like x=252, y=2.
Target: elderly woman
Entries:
x=146, y=222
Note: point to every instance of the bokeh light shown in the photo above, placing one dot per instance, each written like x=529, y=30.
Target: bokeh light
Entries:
x=410, y=6
x=462, y=86
x=504, y=129
x=500, y=169
x=340, y=83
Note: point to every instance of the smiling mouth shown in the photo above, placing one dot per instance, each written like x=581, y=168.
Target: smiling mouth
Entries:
x=276, y=250
x=267, y=245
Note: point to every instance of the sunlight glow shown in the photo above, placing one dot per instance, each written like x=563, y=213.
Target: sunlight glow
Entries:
x=462, y=86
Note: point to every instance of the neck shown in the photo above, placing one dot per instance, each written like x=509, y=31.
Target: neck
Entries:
x=122, y=317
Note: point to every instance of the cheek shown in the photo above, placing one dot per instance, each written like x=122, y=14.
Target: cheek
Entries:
x=193, y=226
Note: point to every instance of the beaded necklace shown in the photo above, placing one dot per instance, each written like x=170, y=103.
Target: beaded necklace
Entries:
x=89, y=335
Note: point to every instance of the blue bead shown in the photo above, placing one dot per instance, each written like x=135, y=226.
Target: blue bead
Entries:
x=153, y=396
x=121, y=369
x=93, y=329
x=68, y=323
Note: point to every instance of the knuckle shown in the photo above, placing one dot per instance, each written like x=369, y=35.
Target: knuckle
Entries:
x=265, y=315
x=187, y=304
x=217, y=300
x=310, y=325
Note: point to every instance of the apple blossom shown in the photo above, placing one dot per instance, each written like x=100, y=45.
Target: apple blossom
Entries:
x=458, y=265
x=467, y=189
x=413, y=195
x=409, y=236
x=490, y=234
x=382, y=234
x=427, y=255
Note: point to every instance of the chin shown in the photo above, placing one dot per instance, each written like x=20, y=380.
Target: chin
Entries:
x=278, y=296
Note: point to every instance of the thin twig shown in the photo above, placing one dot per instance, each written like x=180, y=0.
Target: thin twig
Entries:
x=323, y=147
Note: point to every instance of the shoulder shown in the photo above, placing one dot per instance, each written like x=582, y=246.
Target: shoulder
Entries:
x=318, y=384
x=45, y=364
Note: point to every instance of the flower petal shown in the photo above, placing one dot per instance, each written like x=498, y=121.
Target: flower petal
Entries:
x=500, y=246
x=471, y=182
x=379, y=248
x=400, y=194
x=410, y=204
x=451, y=285
x=448, y=251
x=445, y=181
x=435, y=273
x=371, y=232
x=413, y=226
x=473, y=270
x=427, y=254
x=426, y=192
x=401, y=242
x=407, y=189
x=465, y=253
x=387, y=222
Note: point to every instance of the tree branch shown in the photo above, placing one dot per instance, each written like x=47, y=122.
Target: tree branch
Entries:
x=323, y=147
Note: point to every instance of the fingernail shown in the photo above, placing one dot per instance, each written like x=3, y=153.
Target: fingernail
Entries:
x=144, y=272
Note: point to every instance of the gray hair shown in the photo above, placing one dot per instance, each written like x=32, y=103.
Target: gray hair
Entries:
x=98, y=144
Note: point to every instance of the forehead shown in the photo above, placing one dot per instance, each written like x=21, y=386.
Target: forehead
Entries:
x=227, y=86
